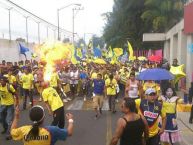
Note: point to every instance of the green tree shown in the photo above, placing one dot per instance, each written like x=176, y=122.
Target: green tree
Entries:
x=161, y=15
x=131, y=18
x=124, y=23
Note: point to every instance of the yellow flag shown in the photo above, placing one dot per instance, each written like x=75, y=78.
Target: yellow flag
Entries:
x=99, y=61
x=73, y=58
x=118, y=51
x=178, y=71
x=110, y=53
x=131, y=57
x=114, y=60
x=79, y=52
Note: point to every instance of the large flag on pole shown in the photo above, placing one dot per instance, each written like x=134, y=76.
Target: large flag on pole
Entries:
x=79, y=53
x=97, y=52
x=110, y=52
x=73, y=56
x=130, y=49
x=23, y=50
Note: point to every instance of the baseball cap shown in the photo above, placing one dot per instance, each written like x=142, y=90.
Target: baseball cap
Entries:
x=149, y=91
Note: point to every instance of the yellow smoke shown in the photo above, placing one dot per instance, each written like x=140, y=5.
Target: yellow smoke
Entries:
x=52, y=52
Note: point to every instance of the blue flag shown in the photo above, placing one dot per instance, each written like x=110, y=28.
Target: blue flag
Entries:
x=124, y=57
x=97, y=52
x=23, y=49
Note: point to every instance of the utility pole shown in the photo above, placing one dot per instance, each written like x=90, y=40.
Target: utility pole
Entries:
x=73, y=17
x=58, y=16
x=38, y=32
x=73, y=25
x=58, y=24
x=9, y=23
x=26, y=23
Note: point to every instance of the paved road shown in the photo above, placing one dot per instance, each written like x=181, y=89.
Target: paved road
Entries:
x=89, y=131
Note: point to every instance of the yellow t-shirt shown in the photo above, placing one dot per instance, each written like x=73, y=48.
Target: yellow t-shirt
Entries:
x=111, y=86
x=11, y=78
x=27, y=81
x=54, y=80
x=151, y=115
x=51, y=96
x=21, y=133
x=6, y=96
x=48, y=135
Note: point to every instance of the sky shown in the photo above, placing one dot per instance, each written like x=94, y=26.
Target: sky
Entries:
x=86, y=21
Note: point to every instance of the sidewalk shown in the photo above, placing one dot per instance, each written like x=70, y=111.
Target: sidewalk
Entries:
x=186, y=129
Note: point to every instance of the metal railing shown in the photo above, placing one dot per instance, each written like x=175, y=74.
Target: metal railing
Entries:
x=12, y=14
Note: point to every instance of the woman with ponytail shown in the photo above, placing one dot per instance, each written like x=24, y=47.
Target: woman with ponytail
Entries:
x=36, y=133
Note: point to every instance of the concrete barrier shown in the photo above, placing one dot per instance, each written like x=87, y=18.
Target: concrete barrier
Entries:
x=10, y=51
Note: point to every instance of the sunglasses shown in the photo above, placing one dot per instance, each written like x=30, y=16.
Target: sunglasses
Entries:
x=152, y=94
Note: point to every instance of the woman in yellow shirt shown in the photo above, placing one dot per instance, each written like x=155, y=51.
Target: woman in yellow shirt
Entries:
x=37, y=134
x=171, y=133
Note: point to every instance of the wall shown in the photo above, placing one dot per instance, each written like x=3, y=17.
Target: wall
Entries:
x=9, y=50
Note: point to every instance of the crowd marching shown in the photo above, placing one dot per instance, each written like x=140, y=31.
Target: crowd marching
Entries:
x=149, y=107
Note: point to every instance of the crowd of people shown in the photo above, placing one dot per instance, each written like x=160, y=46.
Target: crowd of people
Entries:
x=149, y=107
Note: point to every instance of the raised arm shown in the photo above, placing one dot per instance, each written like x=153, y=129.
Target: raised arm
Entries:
x=16, y=119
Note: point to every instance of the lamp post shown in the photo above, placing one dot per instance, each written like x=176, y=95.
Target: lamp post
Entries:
x=58, y=15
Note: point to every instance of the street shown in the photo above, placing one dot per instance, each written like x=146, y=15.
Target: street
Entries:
x=88, y=131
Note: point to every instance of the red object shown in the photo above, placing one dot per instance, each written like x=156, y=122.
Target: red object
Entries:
x=188, y=18
x=159, y=52
x=155, y=58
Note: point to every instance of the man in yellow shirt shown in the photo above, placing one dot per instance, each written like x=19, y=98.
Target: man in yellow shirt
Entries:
x=151, y=109
x=11, y=78
x=54, y=81
x=54, y=104
x=7, y=94
x=111, y=85
x=27, y=81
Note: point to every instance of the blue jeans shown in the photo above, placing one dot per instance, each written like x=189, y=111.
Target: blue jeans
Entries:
x=27, y=93
x=6, y=116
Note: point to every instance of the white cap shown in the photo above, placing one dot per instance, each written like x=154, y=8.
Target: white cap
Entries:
x=149, y=91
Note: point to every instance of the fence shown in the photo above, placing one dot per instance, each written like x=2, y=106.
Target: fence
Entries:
x=17, y=22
